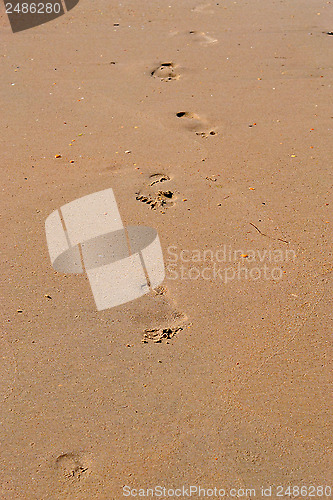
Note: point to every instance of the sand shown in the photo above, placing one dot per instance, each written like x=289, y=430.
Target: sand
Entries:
x=216, y=379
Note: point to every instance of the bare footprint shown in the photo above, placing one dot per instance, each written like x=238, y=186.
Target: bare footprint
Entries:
x=73, y=467
x=199, y=37
x=157, y=335
x=156, y=194
x=196, y=124
x=165, y=72
x=202, y=37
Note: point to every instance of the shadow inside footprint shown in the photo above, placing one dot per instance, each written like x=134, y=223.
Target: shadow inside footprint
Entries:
x=7, y=369
x=204, y=7
x=165, y=72
x=153, y=195
x=197, y=124
x=157, y=316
